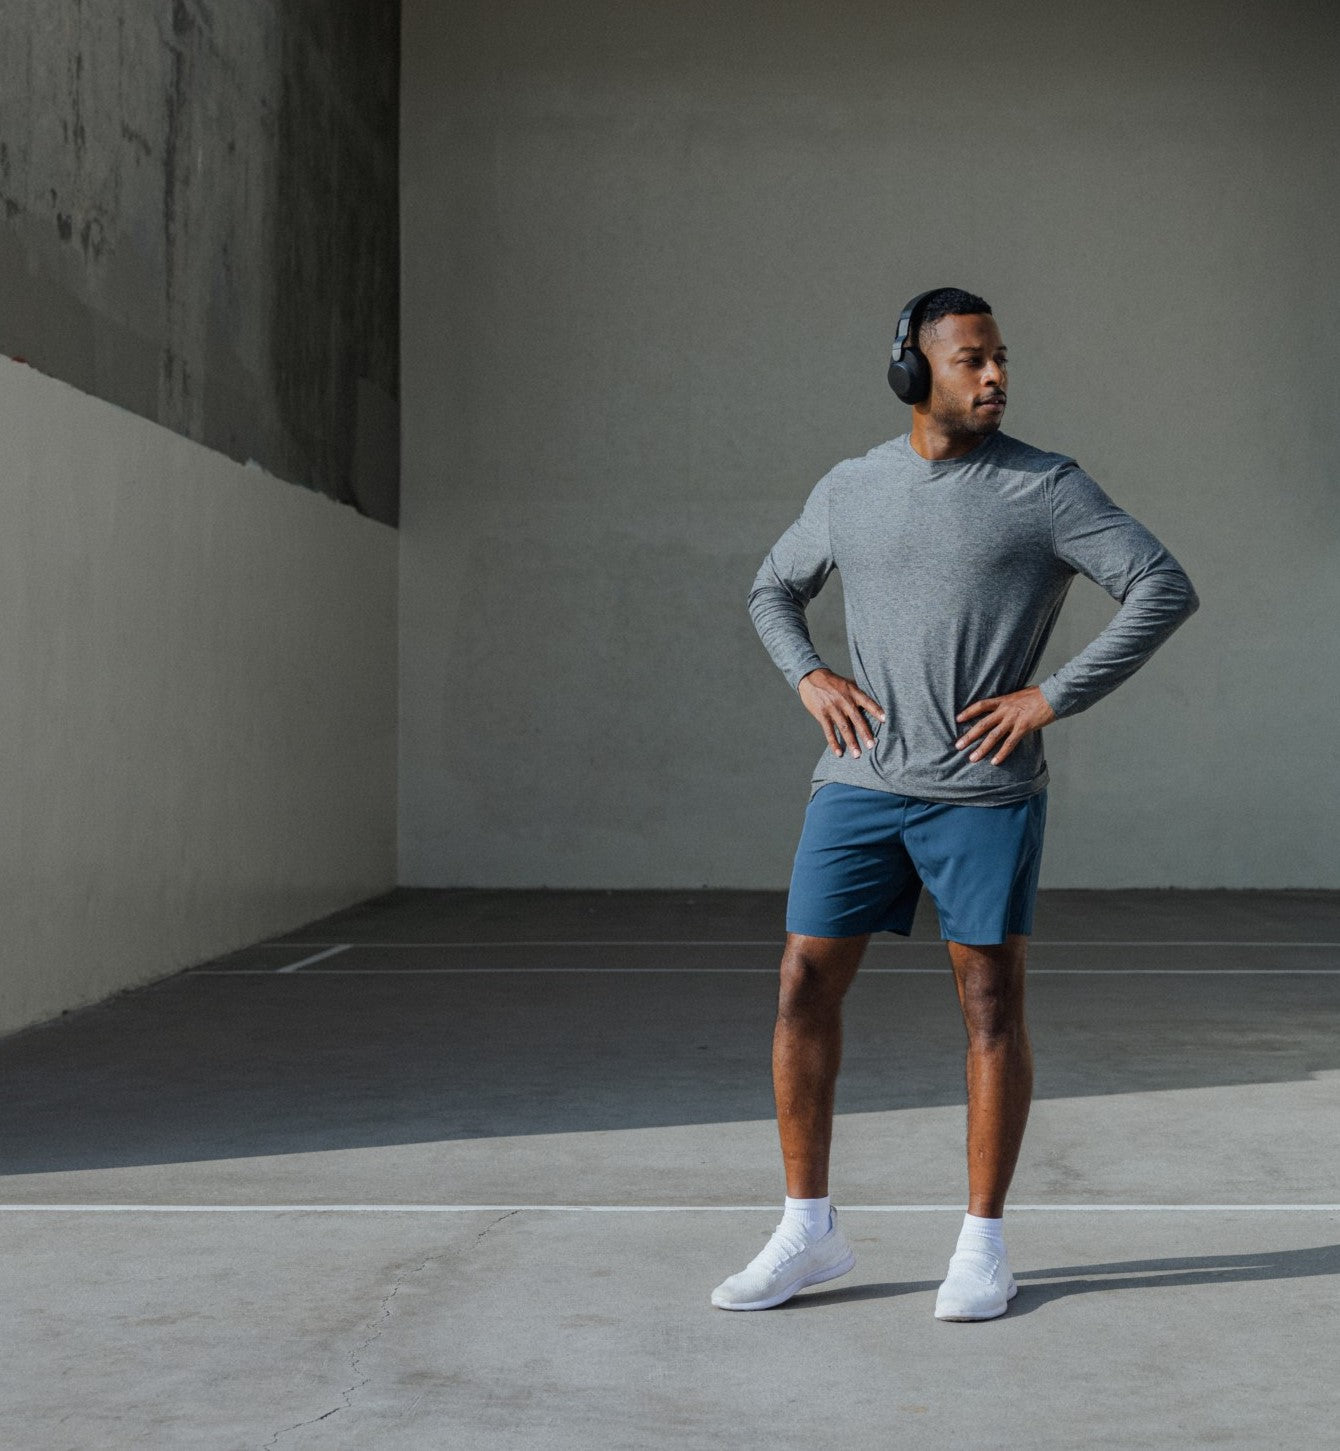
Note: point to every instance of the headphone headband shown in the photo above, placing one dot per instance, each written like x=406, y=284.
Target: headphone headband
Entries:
x=905, y=322
x=909, y=372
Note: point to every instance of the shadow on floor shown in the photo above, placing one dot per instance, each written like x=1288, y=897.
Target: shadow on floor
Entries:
x=197, y=1067
x=1038, y=1288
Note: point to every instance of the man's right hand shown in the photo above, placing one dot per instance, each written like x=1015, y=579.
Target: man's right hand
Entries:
x=836, y=703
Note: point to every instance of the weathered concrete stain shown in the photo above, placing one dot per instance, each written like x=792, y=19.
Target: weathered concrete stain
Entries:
x=200, y=223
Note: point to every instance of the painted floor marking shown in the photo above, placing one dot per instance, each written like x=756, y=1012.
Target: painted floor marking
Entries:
x=721, y=971
x=656, y=1208
x=316, y=957
x=875, y=941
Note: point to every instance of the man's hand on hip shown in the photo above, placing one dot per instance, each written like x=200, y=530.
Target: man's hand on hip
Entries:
x=1004, y=721
x=836, y=703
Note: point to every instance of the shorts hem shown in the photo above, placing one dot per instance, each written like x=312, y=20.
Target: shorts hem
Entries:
x=976, y=941
x=850, y=932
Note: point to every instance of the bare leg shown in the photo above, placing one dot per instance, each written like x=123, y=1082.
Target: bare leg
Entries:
x=807, y=1051
x=990, y=984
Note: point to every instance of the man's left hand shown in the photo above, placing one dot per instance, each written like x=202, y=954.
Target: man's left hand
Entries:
x=1004, y=721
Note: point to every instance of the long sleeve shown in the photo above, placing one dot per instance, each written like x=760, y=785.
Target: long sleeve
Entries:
x=790, y=576
x=1098, y=539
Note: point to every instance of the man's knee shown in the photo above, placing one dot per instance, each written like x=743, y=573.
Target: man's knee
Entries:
x=815, y=977
x=991, y=989
x=993, y=1008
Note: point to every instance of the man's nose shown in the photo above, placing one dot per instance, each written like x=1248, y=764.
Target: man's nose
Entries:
x=994, y=373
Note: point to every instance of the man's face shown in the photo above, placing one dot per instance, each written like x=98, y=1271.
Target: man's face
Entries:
x=967, y=362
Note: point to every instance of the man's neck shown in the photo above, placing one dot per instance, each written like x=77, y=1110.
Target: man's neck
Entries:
x=934, y=444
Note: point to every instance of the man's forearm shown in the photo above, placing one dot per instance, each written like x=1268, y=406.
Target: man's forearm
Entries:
x=1155, y=605
x=780, y=621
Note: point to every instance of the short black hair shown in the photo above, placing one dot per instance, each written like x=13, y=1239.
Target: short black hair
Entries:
x=946, y=302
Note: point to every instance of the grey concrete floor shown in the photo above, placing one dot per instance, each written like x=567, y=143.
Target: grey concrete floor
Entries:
x=461, y=1168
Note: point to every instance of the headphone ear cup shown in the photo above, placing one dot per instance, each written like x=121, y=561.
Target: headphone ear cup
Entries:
x=910, y=376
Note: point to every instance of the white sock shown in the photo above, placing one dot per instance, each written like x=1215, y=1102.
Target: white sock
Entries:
x=978, y=1233
x=811, y=1215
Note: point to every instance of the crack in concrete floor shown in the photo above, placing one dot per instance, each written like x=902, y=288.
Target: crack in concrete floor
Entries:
x=385, y=1308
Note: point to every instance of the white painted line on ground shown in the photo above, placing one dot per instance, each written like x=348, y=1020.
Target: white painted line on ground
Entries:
x=316, y=957
x=721, y=971
x=875, y=941
x=657, y=1208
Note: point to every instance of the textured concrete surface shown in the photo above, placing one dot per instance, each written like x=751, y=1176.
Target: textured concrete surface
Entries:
x=654, y=256
x=558, y=1332
x=198, y=718
x=559, y=1149
x=200, y=223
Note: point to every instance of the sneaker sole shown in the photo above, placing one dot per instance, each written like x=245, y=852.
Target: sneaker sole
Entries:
x=994, y=1315
x=831, y=1273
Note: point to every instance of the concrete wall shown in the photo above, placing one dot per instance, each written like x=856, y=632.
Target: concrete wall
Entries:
x=200, y=224
x=198, y=719
x=198, y=262
x=653, y=257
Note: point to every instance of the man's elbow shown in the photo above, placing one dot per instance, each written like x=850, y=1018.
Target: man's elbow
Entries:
x=1190, y=599
x=757, y=589
x=1173, y=585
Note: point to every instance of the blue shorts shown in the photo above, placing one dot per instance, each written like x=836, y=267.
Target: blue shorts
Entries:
x=864, y=855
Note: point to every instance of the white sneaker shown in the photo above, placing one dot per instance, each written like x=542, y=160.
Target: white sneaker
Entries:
x=787, y=1263
x=979, y=1286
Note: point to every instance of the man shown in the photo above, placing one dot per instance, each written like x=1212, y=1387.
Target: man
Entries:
x=957, y=545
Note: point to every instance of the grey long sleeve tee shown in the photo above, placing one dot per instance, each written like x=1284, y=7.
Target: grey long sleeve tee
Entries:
x=954, y=572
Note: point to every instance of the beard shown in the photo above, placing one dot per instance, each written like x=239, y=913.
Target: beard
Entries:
x=968, y=422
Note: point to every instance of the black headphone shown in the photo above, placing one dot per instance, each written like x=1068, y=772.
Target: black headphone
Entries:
x=909, y=372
